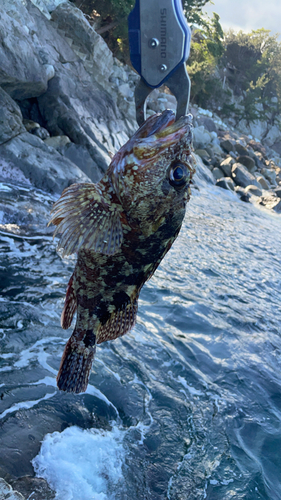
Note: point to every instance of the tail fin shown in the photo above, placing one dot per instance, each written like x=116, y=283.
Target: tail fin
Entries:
x=76, y=364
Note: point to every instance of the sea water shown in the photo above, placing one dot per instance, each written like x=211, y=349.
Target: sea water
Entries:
x=185, y=406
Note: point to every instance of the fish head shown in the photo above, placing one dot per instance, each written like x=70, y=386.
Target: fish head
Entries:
x=152, y=172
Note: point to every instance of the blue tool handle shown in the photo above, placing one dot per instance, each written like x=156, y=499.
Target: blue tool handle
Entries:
x=134, y=37
x=163, y=21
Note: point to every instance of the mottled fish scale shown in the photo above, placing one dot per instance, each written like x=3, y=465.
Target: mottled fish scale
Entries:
x=121, y=229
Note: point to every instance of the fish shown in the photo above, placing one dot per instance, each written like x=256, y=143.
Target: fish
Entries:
x=121, y=228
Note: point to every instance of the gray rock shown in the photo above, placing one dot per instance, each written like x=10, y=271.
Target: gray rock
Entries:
x=207, y=123
x=241, y=192
x=217, y=173
x=203, y=174
x=230, y=183
x=223, y=183
x=85, y=42
x=271, y=201
x=76, y=102
x=264, y=184
x=7, y=492
x=242, y=177
x=233, y=154
x=10, y=118
x=57, y=142
x=201, y=137
x=259, y=159
x=277, y=191
x=202, y=153
x=240, y=149
x=125, y=90
x=228, y=145
x=277, y=147
x=248, y=162
x=253, y=190
x=79, y=155
x=33, y=488
x=74, y=117
x=23, y=72
x=40, y=132
x=42, y=166
x=269, y=174
x=226, y=165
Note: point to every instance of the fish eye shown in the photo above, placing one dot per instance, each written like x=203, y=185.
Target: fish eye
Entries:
x=179, y=175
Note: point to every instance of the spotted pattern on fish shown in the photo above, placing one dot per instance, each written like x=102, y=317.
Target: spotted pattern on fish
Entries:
x=121, y=228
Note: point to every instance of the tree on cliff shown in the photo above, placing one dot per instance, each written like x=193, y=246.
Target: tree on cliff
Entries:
x=205, y=54
x=253, y=67
x=237, y=75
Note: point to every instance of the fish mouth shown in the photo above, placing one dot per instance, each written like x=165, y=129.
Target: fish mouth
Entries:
x=155, y=124
x=160, y=132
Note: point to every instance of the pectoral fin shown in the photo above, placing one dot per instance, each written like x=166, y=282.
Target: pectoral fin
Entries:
x=86, y=219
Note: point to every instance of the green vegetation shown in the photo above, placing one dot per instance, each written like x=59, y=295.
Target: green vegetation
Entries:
x=253, y=63
x=236, y=74
x=205, y=54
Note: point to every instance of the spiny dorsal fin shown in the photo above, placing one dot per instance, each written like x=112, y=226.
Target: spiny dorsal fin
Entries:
x=87, y=219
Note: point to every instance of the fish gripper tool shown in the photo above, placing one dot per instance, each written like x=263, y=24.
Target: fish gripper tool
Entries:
x=159, y=40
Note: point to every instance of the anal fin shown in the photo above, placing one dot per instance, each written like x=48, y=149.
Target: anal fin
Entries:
x=119, y=323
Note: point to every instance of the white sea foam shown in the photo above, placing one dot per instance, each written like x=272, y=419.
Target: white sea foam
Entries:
x=82, y=464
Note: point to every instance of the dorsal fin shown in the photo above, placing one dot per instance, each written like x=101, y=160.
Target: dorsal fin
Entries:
x=87, y=218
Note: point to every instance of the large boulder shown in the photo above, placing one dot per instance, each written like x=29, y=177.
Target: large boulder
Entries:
x=227, y=145
x=24, y=70
x=85, y=42
x=60, y=78
x=10, y=118
x=242, y=177
x=240, y=149
x=226, y=166
x=202, y=175
x=248, y=162
x=269, y=174
x=217, y=173
x=273, y=135
x=79, y=155
x=263, y=182
x=207, y=123
x=226, y=183
x=40, y=165
x=80, y=113
x=253, y=190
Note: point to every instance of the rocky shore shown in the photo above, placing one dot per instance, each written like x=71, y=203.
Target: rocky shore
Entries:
x=66, y=104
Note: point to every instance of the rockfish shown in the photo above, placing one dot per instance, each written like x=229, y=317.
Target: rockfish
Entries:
x=121, y=228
